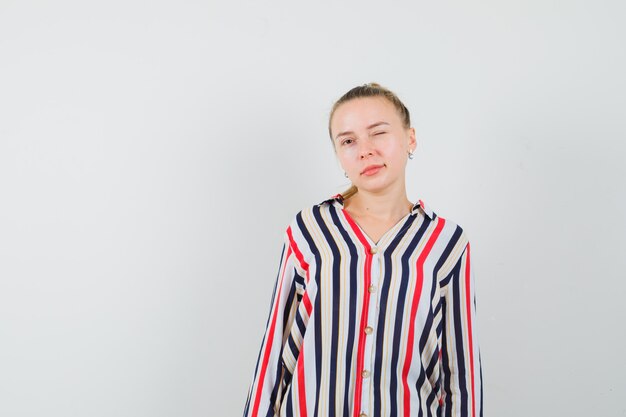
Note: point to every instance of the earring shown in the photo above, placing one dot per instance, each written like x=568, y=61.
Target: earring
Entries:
x=410, y=155
x=344, y=174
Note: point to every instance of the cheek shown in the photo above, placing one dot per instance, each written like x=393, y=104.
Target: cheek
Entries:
x=398, y=150
x=346, y=156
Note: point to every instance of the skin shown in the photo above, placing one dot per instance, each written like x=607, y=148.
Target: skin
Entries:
x=372, y=147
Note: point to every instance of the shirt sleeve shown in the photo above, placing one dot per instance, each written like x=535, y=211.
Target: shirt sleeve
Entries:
x=271, y=375
x=461, y=383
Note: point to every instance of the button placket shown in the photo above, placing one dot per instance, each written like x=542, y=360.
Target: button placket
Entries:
x=369, y=331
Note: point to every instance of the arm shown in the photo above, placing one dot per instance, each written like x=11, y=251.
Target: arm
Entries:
x=271, y=376
x=460, y=357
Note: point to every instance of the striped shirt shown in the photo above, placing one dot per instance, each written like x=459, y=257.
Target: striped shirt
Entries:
x=358, y=328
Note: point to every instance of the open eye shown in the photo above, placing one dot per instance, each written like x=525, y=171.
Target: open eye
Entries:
x=347, y=141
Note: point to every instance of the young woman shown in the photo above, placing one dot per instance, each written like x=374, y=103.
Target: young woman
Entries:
x=373, y=312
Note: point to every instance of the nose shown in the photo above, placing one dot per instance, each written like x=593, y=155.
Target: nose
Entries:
x=365, y=150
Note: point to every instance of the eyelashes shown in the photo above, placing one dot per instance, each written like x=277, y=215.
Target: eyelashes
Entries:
x=349, y=141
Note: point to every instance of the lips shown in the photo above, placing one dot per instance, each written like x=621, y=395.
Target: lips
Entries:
x=372, y=170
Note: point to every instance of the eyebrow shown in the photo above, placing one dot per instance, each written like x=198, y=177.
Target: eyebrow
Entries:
x=373, y=125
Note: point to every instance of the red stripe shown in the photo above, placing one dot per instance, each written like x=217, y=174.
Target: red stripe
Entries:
x=296, y=251
x=468, y=306
x=366, y=301
x=301, y=387
x=414, y=304
x=357, y=231
x=306, y=301
x=268, y=342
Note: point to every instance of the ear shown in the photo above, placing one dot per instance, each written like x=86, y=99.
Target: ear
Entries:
x=412, y=140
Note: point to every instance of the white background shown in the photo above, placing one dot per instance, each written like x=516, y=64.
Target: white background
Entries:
x=152, y=153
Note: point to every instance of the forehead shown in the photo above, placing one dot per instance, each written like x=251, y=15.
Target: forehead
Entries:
x=361, y=112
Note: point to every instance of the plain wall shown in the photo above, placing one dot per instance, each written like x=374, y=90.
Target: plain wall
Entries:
x=152, y=153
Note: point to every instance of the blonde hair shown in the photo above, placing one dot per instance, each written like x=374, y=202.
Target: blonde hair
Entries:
x=363, y=91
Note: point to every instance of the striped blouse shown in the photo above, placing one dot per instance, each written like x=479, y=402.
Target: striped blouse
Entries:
x=360, y=328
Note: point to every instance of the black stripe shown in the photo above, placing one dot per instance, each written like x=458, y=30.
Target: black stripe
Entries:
x=384, y=296
x=317, y=313
x=432, y=397
x=446, y=371
x=300, y=324
x=457, y=309
x=277, y=384
x=336, y=307
x=298, y=279
x=402, y=297
x=287, y=306
x=352, y=304
x=289, y=403
x=454, y=239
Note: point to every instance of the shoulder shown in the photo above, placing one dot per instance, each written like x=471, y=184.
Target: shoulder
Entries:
x=446, y=229
x=313, y=214
x=453, y=232
x=453, y=243
x=451, y=239
x=313, y=220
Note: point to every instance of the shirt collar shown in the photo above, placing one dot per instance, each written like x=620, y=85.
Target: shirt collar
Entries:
x=336, y=198
x=417, y=207
x=426, y=210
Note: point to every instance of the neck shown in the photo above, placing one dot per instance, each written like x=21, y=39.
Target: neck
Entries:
x=385, y=205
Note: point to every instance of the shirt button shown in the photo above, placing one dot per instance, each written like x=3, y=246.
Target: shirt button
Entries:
x=368, y=330
x=372, y=288
x=373, y=250
x=365, y=373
